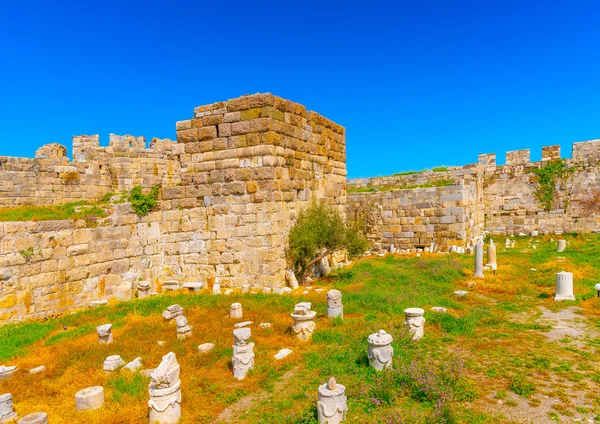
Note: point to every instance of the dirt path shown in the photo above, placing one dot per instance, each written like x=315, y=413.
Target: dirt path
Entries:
x=235, y=412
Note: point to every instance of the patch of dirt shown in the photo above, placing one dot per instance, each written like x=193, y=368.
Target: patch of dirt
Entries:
x=567, y=322
x=235, y=412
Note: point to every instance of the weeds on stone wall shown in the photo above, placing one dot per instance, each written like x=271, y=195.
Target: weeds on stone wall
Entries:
x=548, y=176
x=142, y=203
x=27, y=253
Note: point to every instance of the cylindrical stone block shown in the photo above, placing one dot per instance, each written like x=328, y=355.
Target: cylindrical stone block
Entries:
x=479, y=260
x=36, y=418
x=562, y=245
x=90, y=398
x=564, y=286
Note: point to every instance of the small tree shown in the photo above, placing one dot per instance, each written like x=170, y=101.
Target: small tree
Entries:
x=318, y=232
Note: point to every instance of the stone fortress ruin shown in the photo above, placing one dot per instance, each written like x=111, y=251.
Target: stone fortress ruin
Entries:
x=231, y=186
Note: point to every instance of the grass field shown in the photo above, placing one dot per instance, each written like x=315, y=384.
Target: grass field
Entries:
x=488, y=359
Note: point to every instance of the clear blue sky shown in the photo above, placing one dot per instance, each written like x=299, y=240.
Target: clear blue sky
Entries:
x=416, y=84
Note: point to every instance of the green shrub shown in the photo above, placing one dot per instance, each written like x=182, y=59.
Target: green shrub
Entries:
x=142, y=203
x=522, y=387
x=318, y=232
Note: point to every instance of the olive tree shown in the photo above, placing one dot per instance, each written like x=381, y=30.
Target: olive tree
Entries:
x=318, y=232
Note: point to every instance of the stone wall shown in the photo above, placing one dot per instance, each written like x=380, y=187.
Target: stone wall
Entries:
x=418, y=218
x=51, y=178
x=505, y=195
x=509, y=194
x=231, y=187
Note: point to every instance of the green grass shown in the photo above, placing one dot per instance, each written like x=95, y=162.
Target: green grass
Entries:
x=400, y=174
x=478, y=349
x=50, y=213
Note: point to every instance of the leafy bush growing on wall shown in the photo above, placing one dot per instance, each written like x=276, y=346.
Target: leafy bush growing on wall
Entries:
x=142, y=203
x=318, y=232
x=548, y=176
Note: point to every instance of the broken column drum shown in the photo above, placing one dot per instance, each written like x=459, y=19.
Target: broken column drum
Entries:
x=414, y=322
x=143, y=289
x=564, y=286
x=183, y=329
x=113, y=363
x=6, y=408
x=380, y=350
x=332, y=406
x=304, y=324
x=334, y=304
x=479, y=260
x=165, y=395
x=491, y=254
x=235, y=311
x=562, y=245
x=105, y=334
x=172, y=312
x=243, y=353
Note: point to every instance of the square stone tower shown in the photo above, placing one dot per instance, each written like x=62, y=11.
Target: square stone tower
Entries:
x=252, y=163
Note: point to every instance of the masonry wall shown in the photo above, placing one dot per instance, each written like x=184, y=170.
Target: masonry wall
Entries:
x=51, y=178
x=231, y=187
x=418, y=218
x=509, y=193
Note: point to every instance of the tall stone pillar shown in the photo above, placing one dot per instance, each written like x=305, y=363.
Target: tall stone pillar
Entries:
x=562, y=245
x=479, y=260
x=564, y=286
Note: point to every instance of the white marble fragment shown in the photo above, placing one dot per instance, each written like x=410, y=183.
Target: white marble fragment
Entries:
x=564, y=286
x=282, y=354
x=334, y=304
x=35, y=418
x=243, y=324
x=172, y=312
x=304, y=324
x=164, y=405
x=265, y=325
x=37, y=370
x=235, y=311
x=7, y=371
x=562, y=245
x=332, y=405
x=206, y=347
x=134, y=365
x=7, y=413
x=105, y=335
x=291, y=279
x=113, y=363
x=89, y=398
x=415, y=322
x=243, y=353
x=461, y=293
x=380, y=350
x=439, y=309
x=183, y=329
